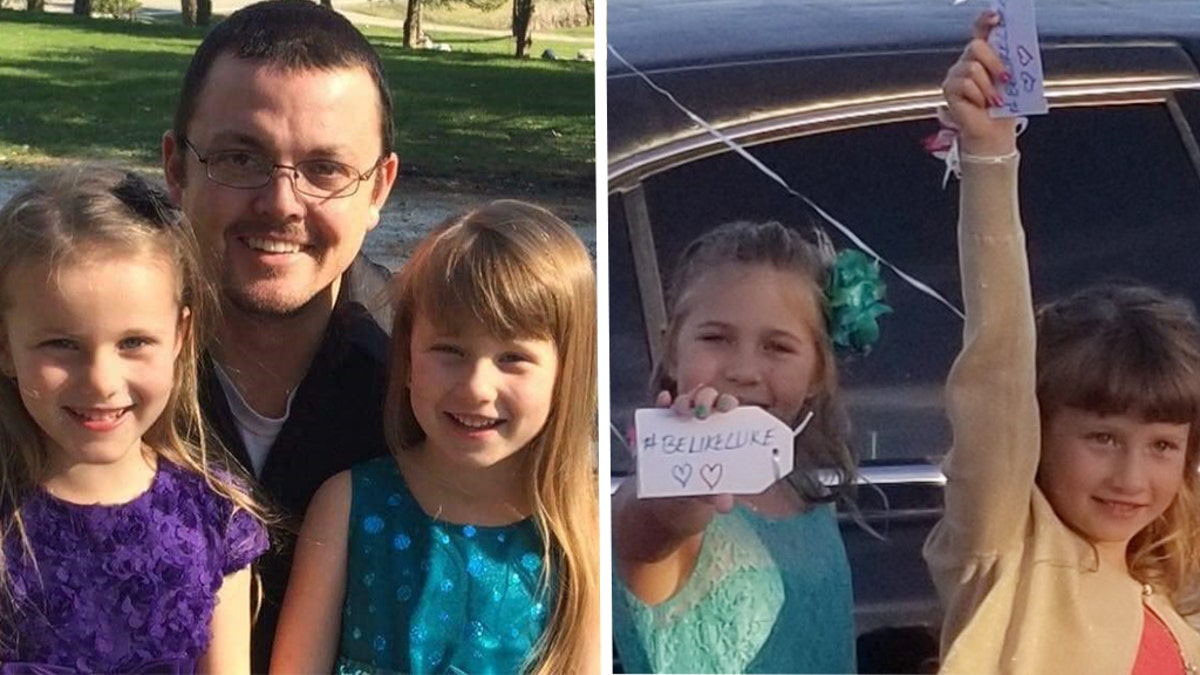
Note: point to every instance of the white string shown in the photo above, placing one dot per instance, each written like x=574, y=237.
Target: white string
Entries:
x=745, y=154
x=803, y=425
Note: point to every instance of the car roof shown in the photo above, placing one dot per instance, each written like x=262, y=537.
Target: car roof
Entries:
x=751, y=62
x=667, y=34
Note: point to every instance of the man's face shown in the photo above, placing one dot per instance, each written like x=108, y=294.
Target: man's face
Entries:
x=273, y=250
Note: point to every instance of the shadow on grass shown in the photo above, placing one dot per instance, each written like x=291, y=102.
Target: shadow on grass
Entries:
x=527, y=121
x=83, y=24
x=105, y=89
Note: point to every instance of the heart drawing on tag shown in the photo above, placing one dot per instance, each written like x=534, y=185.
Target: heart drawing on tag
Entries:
x=682, y=473
x=711, y=473
x=1029, y=81
x=1023, y=55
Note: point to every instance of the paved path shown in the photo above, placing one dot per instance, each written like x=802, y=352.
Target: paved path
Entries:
x=372, y=20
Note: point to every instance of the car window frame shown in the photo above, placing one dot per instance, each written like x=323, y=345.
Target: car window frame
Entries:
x=629, y=169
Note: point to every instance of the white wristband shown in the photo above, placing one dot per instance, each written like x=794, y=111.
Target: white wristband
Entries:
x=955, y=158
x=967, y=158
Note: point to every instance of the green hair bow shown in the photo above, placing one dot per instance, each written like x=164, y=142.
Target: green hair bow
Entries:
x=855, y=293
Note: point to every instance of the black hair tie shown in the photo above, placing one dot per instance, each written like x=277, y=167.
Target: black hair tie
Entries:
x=148, y=201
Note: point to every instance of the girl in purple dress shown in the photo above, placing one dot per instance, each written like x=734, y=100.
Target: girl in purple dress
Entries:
x=123, y=548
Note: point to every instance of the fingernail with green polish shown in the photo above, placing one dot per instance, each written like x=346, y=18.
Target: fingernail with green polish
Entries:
x=701, y=411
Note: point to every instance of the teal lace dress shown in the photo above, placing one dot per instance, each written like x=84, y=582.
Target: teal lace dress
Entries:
x=766, y=596
x=426, y=596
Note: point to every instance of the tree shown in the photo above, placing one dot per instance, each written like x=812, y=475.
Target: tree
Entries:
x=589, y=8
x=412, y=23
x=35, y=5
x=203, y=12
x=412, y=19
x=82, y=8
x=522, y=18
x=187, y=12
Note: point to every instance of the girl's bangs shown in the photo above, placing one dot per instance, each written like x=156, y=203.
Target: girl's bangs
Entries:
x=486, y=281
x=1135, y=377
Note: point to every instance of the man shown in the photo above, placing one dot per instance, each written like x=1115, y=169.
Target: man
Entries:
x=281, y=157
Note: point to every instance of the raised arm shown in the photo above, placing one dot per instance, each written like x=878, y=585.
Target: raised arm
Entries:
x=991, y=391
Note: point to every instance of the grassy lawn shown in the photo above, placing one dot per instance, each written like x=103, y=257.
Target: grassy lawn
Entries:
x=75, y=88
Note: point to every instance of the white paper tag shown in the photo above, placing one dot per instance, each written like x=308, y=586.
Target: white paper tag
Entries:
x=743, y=451
x=1015, y=40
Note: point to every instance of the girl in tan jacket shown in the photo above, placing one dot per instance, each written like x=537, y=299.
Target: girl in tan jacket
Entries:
x=1070, y=537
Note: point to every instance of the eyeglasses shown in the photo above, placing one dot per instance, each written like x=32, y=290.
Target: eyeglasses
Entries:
x=247, y=170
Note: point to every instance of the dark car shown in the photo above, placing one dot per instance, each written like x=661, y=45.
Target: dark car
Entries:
x=837, y=97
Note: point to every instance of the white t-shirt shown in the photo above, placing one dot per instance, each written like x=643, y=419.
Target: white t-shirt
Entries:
x=258, y=432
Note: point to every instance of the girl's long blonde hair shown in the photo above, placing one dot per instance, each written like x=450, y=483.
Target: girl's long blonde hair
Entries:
x=522, y=273
x=78, y=214
x=1129, y=349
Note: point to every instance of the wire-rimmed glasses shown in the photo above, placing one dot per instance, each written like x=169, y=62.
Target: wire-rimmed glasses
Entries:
x=249, y=170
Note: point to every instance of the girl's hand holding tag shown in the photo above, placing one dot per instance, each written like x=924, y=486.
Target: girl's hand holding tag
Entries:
x=684, y=451
x=686, y=512
x=972, y=86
x=743, y=451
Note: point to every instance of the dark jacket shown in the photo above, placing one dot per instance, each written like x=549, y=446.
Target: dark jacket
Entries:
x=335, y=421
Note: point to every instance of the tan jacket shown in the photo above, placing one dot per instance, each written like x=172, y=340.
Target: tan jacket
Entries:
x=1023, y=593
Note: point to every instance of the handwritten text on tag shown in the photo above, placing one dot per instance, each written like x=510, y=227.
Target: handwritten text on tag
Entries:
x=1015, y=40
x=743, y=451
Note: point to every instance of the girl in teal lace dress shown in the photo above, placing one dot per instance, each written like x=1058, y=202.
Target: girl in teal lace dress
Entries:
x=756, y=583
x=474, y=547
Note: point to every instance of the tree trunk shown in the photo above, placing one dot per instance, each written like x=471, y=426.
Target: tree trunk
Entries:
x=522, y=18
x=35, y=5
x=187, y=12
x=589, y=8
x=82, y=8
x=203, y=12
x=412, y=24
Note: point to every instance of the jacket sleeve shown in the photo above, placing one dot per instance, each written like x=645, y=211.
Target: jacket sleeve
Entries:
x=991, y=390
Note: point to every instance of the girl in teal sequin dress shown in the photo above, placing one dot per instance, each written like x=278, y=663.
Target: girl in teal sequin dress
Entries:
x=474, y=547
x=757, y=583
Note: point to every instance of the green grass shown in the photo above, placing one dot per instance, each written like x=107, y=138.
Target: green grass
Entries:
x=75, y=88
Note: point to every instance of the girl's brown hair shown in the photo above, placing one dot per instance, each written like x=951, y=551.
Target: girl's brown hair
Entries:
x=1131, y=350
x=520, y=272
x=79, y=214
x=823, y=445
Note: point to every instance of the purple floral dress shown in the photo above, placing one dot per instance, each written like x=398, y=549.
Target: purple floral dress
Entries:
x=127, y=588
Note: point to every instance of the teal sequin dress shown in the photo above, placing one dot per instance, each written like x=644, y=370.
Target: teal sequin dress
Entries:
x=426, y=596
x=765, y=596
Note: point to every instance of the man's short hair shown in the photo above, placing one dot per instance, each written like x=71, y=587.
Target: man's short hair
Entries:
x=289, y=34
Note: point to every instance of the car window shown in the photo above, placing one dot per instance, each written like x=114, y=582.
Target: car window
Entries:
x=1107, y=192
